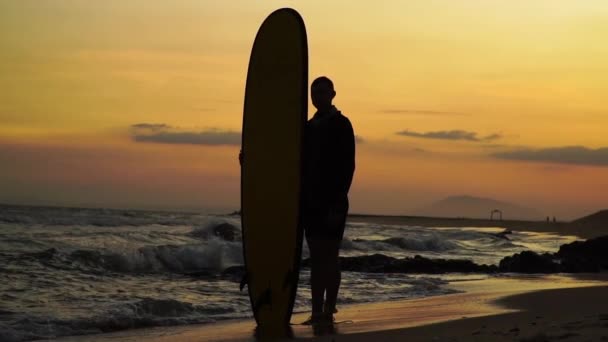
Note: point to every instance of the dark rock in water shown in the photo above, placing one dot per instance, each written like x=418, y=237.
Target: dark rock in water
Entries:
x=529, y=262
x=579, y=265
x=420, y=264
x=584, y=256
x=225, y=231
x=379, y=263
x=375, y=263
x=596, y=248
x=575, y=257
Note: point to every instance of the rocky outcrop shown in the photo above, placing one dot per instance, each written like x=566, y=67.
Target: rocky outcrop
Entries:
x=529, y=262
x=220, y=230
x=584, y=256
x=576, y=257
x=379, y=263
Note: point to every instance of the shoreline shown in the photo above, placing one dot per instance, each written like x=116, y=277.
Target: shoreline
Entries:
x=489, y=307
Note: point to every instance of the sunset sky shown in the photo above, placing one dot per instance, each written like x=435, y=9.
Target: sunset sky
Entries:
x=138, y=104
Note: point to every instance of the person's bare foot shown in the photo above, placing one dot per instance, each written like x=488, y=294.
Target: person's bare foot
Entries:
x=327, y=310
x=315, y=318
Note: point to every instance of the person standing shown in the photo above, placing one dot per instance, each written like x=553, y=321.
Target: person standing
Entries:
x=329, y=165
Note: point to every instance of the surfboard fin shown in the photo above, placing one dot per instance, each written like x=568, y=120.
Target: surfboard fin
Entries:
x=244, y=281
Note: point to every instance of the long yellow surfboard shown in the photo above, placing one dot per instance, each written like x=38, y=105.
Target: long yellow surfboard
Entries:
x=274, y=117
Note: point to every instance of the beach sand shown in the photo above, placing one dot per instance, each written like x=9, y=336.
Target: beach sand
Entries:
x=503, y=308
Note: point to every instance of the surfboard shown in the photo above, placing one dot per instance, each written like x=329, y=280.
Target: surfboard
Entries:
x=274, y=117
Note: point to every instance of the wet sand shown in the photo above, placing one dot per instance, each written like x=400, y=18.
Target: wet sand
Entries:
x=503, y=308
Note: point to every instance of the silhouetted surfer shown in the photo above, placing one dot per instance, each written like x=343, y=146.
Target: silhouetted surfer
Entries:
x=329, y=164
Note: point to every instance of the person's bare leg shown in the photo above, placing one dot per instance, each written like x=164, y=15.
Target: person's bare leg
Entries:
x=317, y=283
x=333, y=276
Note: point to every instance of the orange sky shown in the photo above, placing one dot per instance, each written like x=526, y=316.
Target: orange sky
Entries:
x=486, y=96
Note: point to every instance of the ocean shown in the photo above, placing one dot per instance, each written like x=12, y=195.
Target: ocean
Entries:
x=74, y=271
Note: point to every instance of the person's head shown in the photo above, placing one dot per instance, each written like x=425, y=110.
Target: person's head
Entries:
x=322, y=93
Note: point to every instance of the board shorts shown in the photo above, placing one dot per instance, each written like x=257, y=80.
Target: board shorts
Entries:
x=319, y=223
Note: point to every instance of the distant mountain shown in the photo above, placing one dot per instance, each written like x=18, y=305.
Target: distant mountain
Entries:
x=477, y=207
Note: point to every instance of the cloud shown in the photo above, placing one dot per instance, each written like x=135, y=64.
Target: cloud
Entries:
x=491, y=137
x=419, y=111
x=579, y=155
x=212, y=137
x=450, y=135
x=148, y=126
x=165, y=134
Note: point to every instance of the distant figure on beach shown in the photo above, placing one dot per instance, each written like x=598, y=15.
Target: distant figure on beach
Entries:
x=329, y=165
